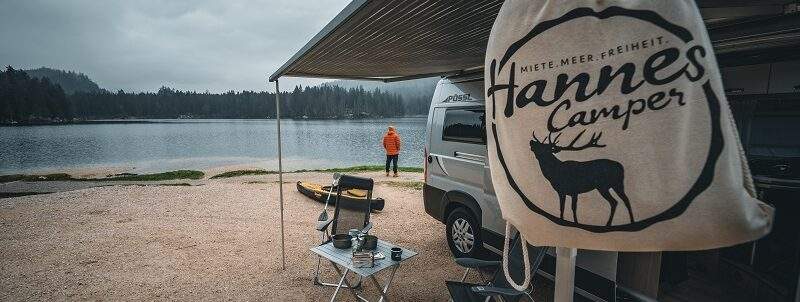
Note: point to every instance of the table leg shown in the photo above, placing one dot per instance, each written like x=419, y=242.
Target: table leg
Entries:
x=382, y=290
x=378, y=286
x=343, y=280
x=388, y=283
x=338, y=286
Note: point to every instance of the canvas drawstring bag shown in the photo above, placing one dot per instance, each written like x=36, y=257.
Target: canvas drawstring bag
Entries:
x=608, y=129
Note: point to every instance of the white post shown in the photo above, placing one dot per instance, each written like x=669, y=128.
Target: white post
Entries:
x=280, y=167
x=565, y=274
x=797, y=291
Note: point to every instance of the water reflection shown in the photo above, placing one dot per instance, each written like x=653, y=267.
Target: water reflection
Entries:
x=157, y=145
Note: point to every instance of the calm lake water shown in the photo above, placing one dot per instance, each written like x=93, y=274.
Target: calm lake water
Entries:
x=161, y=145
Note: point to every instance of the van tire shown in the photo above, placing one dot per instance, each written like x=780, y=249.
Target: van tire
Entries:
x=463, y=233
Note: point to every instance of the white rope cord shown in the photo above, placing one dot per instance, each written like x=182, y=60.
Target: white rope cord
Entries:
x=527, y=282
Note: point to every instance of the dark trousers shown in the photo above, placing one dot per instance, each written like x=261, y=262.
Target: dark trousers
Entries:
x=393, y=160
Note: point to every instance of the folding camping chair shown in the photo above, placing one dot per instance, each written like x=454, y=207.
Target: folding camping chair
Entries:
x=477, y=264
x=498, y=287
x=347, y=215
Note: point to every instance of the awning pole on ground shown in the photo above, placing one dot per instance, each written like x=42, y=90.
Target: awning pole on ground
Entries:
x=280, y=167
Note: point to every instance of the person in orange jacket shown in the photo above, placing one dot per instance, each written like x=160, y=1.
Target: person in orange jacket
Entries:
x=391, y=143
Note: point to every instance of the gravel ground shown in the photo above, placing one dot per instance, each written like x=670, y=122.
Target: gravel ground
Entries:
x=216, y=241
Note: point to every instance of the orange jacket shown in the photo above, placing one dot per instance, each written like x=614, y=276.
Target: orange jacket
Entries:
x=391, y=142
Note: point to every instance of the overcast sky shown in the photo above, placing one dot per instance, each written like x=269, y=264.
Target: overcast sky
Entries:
x=141, y=45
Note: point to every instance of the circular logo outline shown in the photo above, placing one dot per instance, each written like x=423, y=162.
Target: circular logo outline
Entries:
x=716, y=145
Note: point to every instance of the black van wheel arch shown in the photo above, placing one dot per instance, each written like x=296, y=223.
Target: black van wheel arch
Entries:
x=463, y=233
x=455, y=199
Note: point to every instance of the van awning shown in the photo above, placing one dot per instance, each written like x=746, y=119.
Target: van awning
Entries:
x=400, y=40
x=383, y=40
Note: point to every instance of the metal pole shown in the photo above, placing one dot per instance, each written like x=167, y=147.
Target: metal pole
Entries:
x=797, y=291
x=280, y=168
x=565, y=274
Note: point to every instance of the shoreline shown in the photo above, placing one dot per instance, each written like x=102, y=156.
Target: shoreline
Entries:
x=121, y=174
x=137, y=120
x=17, y=185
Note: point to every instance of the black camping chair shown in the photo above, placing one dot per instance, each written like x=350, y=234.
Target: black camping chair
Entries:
x=477, y=264
x=347, y=215
x=498, y=287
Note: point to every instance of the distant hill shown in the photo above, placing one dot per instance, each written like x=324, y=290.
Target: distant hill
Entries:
x=26, y=99
x=70, y=81
x=416, y=94
x=46, y=95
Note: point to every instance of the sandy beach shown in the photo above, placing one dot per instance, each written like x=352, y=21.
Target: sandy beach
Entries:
x=216, y=240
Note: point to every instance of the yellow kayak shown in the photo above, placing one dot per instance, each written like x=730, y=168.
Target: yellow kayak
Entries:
x=320, y=193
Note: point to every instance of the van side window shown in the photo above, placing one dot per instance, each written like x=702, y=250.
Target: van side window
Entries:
x=465, y=125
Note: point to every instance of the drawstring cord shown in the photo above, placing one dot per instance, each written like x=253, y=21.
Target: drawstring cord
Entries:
x=527, y=282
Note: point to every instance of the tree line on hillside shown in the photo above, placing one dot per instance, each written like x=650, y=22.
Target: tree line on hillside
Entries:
x=70, y=81
x=308, y=102
x=416, y=94
x=27, y=99
x=23, y=98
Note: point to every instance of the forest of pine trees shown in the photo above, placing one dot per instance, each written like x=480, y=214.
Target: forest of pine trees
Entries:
x=26, y=99
x=70, y=81
x=23, y=98
x=416, y=94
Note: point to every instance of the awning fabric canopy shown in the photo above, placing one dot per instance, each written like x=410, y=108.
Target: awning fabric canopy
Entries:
x=406, y=39
x=391, y=39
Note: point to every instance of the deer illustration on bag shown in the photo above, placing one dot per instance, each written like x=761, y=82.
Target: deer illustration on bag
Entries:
x=572, y=178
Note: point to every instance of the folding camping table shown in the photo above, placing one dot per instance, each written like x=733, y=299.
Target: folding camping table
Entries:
x=343, y=257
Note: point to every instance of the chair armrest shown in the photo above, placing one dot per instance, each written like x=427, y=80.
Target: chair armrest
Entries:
x=476, y=263
x=635, y=295
x=366, y=228
x=322, y=225
x=489, y=291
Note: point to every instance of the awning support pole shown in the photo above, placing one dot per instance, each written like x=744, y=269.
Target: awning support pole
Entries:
x=565, y=274
x=280, y=168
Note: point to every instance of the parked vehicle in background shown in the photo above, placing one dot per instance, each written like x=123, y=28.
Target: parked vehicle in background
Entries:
x=458, y=189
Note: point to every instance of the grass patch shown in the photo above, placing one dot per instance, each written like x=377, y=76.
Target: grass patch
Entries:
x=171, y=175
x=190, y=174
x=238, y=173
x=183, y=184
x=150, y=185
x=374, y=168
x=18, y=194
x=414, y=185
x=262, y=182
x=121, y=174
x=259, y=182
x=46, y=177
x=354, y=169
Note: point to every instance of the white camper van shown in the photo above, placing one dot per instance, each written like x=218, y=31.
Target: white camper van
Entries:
x=763, y=93
x=458, y=186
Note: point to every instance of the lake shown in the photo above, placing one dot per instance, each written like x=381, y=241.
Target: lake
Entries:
x=161, y=145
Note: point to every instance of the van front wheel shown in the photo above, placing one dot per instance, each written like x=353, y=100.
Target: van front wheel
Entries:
x=463, y=233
